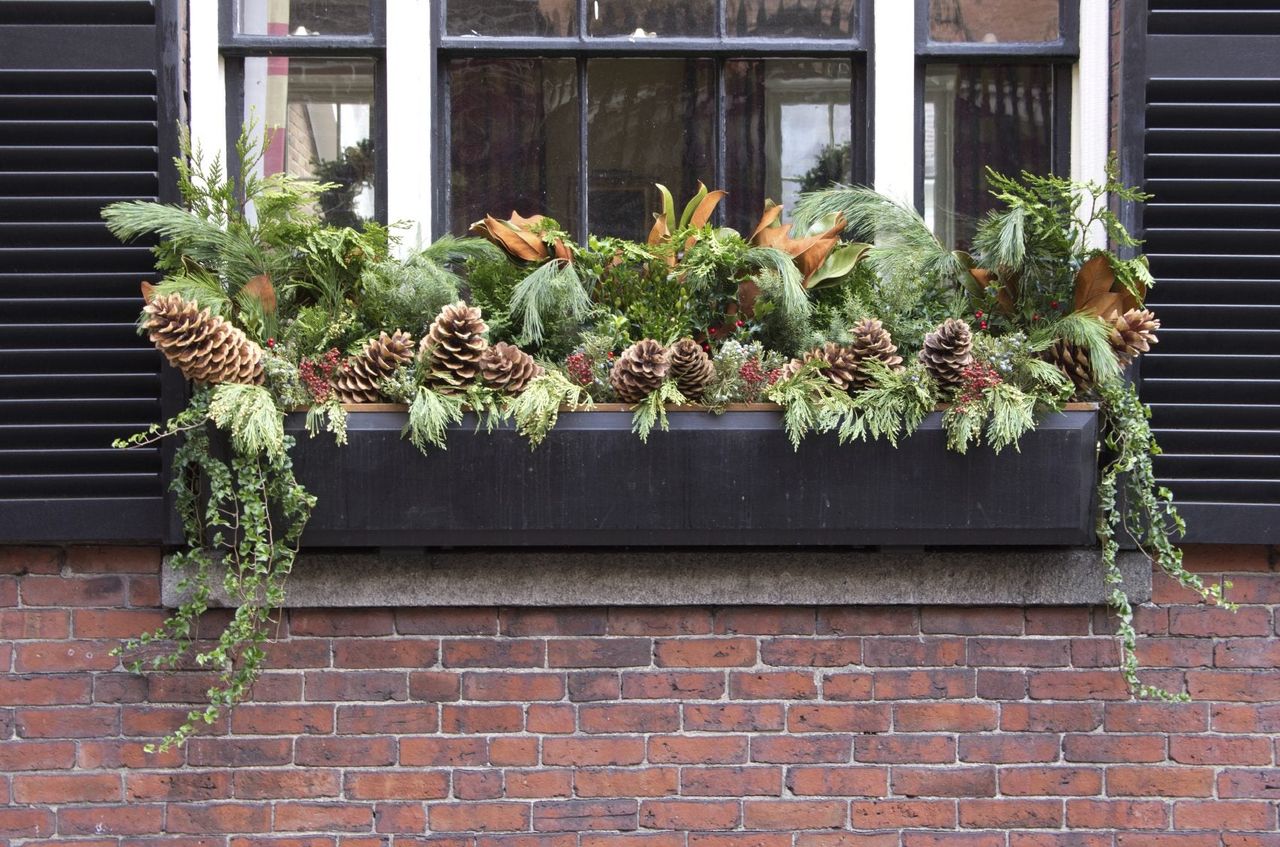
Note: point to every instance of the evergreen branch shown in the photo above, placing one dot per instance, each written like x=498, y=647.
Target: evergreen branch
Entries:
x=653, y=409
x=1092, y=334
x=553, y=288
x=893, y=406
x=1012, y=416
x=250, y=414
x=791, y=297
x=450, y=249
x=430, y=415
x=537, y=408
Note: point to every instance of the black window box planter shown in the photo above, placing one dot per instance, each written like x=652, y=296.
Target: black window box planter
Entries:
x=731, y=479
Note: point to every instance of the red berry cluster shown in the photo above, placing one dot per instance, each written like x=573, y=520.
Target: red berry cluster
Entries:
x=752, y=374
x=975, y=379
x=317, y=374
x=775, y=375
x=982, y=324
x=579, y=366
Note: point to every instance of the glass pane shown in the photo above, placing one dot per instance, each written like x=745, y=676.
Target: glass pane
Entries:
x=791, y=18
x=304, y=17
x=512, y=17
x=975, y=116
x=650, y=120
x=651, y=18
x=318, y=117
x=993, y=21
x=788, y=126
x=513, y=144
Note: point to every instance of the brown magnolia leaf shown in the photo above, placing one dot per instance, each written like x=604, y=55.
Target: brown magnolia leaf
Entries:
x=705, y=209
x=767, y=221
x=1108, y=305
x=525, y=246
x=1095, y=278
x=261, y=289
x=660, y=231
x=148, y=291
x=562, y=252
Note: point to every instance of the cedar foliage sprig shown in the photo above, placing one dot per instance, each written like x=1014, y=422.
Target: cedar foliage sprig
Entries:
x=537, y=408
x=652, y=410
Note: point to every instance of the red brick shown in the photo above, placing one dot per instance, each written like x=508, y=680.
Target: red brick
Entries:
x=952, y=839
x=101, y=559
x=349, y=623
x=599, y=653
x=36, y=755
x=1218, y=750
x=733, y=717
x=393, y=817
x=204, y=818
x=828, y=781
x=1166, y=839
x=1212, y=621
x=1050, y=717
x=519, y=687
x=581, y=815
x=846, y=839
x=659, y=621
x=1237, y=686
x=478, y=720
x=68, y=722
x=705, y=652
x=547, y=621
x=143, y=591
x=698, y=750
x=1247, y=653
x=848, y=717
x=21, y=561
x=1078, y=685
x=944, y=717
x=1156, y=717
x=1010, y=814
x=803, y=749
x=629, y=717
x=593, y=686
x=553, y=718
x=363, y=752
x=27, y=822
x=689, y=814
x=914, y=652
x=731, y=781
x=255, y=719
x=539, y=783
x=490, y=653
x=307, y=816
x=1263, y=783
x=394, y=718
x=633, y=839
x=184, y=785
x=868, y=620
x=478, y=817
x=438, y=621
x=1232, y=717
x=972, y=620
x=45, y=690
x=517, y=752
x=740, y=839
x=1261, y=588
x=948, y=781
x=443, y=752
x=1057, y=620
x=765, y=620
x=1116, y=814
x=434, y=686
x=847, y=686
x=1120, y=749
x=772, y=685
x=124, y=753
x=627, y=782
x=1053, y=781
x=397, y=785
x=239, y=752
x=1060, y=839
x=1157, y=781
x=924, y=685
x=1009, y=748
x=673, y=685
x=385, y=653
x=1219, y=815
x=811, y=652
x=1175, y=652
x=298, y=784
x=791, y=815
x=624, y=750
x=1002, y=684
x=67, y=788
x=905, y=749
x=20, y=624
x=477, y=785
x=101, y=591
x=110, y=623
x=897, y=814
x=1020, y=652
x=324, y=686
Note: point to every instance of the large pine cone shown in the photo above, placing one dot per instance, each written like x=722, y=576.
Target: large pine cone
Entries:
x=453, y=346
x=691, y=368
x=205, y=347
x=639, y=370
x=1073, y=361
x=948, y=351
x=504, y=367
x=871, y=341
x=842, y=364
x=1133, y=334
x=381, y=356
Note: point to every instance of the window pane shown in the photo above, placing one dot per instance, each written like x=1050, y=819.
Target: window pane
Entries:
x=650, y=120
x=513, y=144
x=318, y=117
x=651, y=17
x=304, y=17
x=788, y=126
x=975, y=116
x=512, y=17
x=993, y=21
x=791, y=18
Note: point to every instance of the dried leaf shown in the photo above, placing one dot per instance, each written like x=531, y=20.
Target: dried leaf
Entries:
x=706, y=208
x=148, y=291
x=261, y=289
x=1095, y=277
x=514, y=236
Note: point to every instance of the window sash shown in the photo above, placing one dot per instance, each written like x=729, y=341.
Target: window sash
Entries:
x=1066, y=47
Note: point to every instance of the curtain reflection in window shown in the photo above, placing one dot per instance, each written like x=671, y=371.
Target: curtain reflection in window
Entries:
x=512, y=17
x=673, y=18
x=304, y=17
x=993, y=21
x=791, y=18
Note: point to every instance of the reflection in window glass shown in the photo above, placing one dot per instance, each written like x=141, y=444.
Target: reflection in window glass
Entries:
x=317, y=115
x=788, y=126
x=993, y=21
x=512, y=17
x=651, y=18
x=513, y=126
x=649, y=120
x=304, y=17
x=975, y=116
x=791, y=18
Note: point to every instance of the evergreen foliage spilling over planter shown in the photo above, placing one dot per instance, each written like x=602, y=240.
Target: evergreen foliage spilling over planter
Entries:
x=488, y=339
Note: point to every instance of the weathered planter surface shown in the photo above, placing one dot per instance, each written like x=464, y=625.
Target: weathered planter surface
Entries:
x=731, y=479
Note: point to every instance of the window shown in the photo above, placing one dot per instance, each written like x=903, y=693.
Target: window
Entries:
x=994, y=90
x=575, y=108
x=310, y=73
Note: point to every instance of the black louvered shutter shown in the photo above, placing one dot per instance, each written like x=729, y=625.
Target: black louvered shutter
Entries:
x=1212, y=160
x=82, y=123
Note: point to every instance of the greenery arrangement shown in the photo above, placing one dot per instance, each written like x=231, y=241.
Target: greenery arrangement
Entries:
x=276, y=309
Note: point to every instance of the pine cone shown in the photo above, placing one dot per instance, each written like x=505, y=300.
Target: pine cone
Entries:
x=205, y=347
x=790, y=369
x=1073, y=361
x=505, y=367
x=379, y=359
x=872, y=341
x=453, y=346
x=948, y=351
x=1133, y=334
x=842, y=363
x=639, y=370
x=691, y=368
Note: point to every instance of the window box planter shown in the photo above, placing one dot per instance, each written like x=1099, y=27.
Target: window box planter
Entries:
x=731, y=479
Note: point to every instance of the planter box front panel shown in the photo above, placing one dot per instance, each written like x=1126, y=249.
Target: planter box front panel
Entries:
x=731, y=479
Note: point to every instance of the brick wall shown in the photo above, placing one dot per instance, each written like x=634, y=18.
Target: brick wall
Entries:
x=659, y=727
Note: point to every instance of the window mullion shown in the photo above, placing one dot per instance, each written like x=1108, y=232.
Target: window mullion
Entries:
x=584, y=149
x=894, y=125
